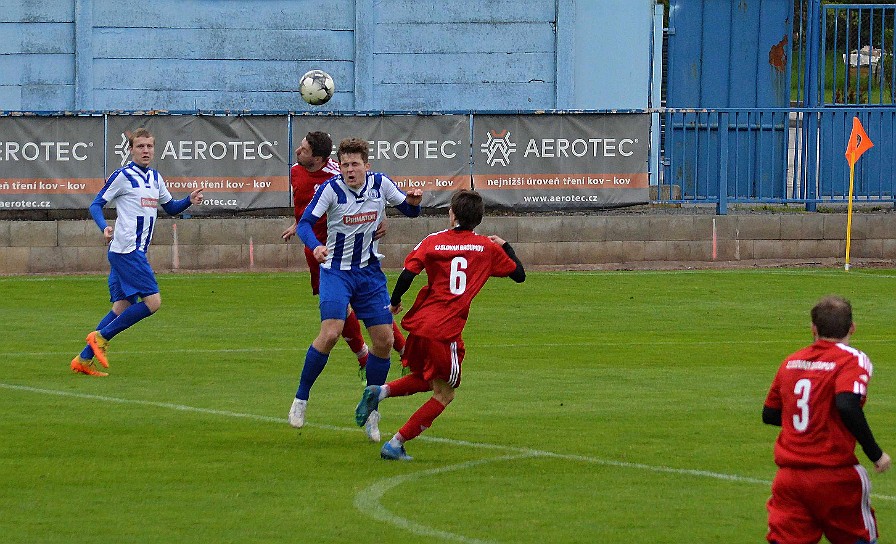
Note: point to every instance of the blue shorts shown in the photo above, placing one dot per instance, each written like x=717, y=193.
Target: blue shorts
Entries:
x=131, y=277
x=364, y=288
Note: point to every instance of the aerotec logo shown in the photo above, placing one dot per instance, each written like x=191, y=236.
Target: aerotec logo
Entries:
x=121, y=149
x=185, y=150
x=498, y=147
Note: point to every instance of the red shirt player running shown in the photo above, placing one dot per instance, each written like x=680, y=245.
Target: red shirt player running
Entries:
x=817, y=398
x=458, y=262
x=313, y=167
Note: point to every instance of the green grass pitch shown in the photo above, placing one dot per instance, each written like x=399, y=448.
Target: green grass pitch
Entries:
x=595, y=407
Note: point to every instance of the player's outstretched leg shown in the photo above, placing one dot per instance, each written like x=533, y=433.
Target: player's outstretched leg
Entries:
x=370, y=401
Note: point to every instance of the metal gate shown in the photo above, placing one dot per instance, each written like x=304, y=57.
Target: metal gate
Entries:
x=855, y=64
x=727, y=55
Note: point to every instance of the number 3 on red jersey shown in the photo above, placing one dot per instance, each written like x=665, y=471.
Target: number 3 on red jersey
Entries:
x=801, y=389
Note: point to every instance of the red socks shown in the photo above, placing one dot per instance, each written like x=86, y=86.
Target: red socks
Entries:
x=352, y=333
x=398, y=343
x=408, y=385
x=422, y=418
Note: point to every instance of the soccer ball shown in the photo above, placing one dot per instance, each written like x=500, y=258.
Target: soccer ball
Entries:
x=317, y=87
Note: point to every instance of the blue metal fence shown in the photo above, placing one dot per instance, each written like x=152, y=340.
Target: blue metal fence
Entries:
x=775, y=155
x=840, y=66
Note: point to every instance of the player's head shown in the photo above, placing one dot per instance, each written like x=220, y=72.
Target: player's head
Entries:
x=314, y=151
x=355, y=146
x=832, y=317
x=467, y=209
x=320, y=143
x=353, y=162
x=141, y=144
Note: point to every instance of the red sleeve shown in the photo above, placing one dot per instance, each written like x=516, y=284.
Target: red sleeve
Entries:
x=855, y=375
x=773, y=399
x=414, y=262
x=502, y=265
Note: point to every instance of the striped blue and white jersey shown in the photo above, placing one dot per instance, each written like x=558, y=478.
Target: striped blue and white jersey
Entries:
x=352, y=218
x=136, y=193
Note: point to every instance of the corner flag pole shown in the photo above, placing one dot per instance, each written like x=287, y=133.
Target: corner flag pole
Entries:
x=852, y=173
x=859, y=142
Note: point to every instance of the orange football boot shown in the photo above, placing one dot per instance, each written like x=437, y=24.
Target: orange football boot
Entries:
x=83, y=366
x=98, y=344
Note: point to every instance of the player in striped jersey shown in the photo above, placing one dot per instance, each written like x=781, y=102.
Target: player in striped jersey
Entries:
x=457, y=262
x=355, y=204
x=314, y=167
x=137, y=190
x=817, y=398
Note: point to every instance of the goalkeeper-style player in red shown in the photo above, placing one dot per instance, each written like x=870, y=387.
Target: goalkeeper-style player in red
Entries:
x=458, y=262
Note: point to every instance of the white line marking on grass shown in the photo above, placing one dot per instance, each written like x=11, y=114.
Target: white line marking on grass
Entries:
x=368, y=500
x=372, y=494
x=526, y=452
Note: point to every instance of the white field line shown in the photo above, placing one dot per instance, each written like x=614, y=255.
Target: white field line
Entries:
x=368, y=501
x=528, y=452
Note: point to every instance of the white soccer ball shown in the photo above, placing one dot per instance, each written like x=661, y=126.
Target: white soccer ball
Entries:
x=317, y=87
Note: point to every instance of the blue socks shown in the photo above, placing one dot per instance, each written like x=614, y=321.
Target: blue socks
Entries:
x=377, y=369
x=133, y=314
x=315, y=362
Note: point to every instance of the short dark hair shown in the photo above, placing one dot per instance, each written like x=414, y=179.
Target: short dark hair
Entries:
x=832, y=317
x=353, y=145
x=321, y=144
x=138, y=133
x=468, y=208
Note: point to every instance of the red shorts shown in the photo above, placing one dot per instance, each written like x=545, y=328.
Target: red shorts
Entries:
x=807, y=503
x=314, y=268
x=433, y=359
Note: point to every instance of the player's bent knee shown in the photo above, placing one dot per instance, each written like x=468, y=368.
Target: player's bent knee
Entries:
x=153, y=302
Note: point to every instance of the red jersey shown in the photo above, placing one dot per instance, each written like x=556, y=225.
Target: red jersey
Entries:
x=304, y=185
x=812, y=433
x=457, y=264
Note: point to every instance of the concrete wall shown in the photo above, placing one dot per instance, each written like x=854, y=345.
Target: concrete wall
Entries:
x=392, y=55
x=557, y=242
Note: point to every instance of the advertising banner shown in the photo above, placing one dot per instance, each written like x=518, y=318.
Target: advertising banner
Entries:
x=561, y=162
x=429, y=152
x=240, y=162
x=50, y=162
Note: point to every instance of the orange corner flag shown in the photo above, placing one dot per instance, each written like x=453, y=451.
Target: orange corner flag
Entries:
x=859, y=142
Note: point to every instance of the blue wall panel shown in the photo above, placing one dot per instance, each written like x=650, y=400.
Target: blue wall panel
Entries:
x=189, y=55
x=37, y=11
x=36, y=38
x=257, y=14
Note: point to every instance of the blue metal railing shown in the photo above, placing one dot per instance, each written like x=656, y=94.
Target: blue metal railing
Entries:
x=775, y=155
